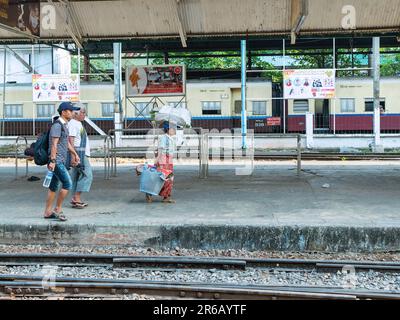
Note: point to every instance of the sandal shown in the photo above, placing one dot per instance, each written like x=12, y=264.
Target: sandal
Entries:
x=79, y=204
x=149, y=198
x=57, y=216
x=168, y=201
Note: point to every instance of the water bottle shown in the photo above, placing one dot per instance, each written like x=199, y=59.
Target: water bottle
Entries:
x=47, y=179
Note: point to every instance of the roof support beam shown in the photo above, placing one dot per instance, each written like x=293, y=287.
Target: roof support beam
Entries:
x=181, y=30
x=18, y=32
x=20, y=59
x=70, y=18
x=299, y=13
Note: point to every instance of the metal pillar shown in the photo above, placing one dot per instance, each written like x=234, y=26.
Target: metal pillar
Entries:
x=334, y=98
x=117, y=93
x=284, y=100
x=4, y=89
x=376, y=88
x=34, y=108
x=244, y=115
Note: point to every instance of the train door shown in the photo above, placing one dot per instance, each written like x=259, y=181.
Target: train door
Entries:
x=277, y=106
x=322, y=114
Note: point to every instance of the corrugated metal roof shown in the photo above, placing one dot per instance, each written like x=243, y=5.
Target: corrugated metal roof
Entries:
x=327, y=15
x=159, y=18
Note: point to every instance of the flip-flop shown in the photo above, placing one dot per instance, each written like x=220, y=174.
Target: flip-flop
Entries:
x=56, y=216
x=149, y=199
x=169, y=201
x=78, y=205
x=81, y=204
x=33, y=178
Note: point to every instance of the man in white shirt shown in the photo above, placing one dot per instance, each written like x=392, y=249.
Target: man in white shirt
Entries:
x=82, y=175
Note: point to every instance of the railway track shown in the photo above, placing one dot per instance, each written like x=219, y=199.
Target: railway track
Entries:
x=275, y=156
x=328, y=156
x=12, y=285
x=179, y=262
x=32, y=286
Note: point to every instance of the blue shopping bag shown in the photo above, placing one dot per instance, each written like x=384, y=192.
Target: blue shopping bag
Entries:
x=151, y=181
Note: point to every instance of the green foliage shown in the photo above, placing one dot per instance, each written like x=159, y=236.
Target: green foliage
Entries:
x=390, y=62
x=391, y=67
x=220, y=62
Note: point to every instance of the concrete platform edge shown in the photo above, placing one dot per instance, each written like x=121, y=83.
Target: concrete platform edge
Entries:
x=206, y=237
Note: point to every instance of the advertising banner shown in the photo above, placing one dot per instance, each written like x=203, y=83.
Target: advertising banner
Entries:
x=153, y=81
x=309, y=84
x=21, y=15
x=55, y=87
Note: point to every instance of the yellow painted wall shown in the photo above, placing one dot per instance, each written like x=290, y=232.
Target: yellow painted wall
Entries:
x=360, y=89
x=225, y=92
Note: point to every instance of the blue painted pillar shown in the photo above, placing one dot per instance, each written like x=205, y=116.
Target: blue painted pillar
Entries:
x=244, y=115
x=117, y=93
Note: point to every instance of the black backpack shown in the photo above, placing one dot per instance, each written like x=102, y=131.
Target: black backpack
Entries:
x=41, y=153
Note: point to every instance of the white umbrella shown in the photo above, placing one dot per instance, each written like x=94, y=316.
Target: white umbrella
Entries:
x=180, y=116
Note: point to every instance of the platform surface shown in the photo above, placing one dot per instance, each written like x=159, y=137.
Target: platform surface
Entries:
x=328, y=195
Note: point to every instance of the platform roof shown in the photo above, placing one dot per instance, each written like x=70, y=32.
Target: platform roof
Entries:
x=205, y=24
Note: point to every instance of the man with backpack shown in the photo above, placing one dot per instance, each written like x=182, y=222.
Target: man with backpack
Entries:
x=59, y=161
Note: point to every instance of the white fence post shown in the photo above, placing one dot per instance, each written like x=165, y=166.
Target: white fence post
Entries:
x=310, y=130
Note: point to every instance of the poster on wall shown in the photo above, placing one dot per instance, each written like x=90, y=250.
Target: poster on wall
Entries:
x=21, y=15
x=153, y=81
x=309, y=84
x=55, y=87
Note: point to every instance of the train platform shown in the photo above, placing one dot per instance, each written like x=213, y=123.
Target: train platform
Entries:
x=333, y=206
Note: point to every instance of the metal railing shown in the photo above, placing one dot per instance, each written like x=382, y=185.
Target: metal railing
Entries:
x=205, y=152
x=144, y=149
x=18, y=156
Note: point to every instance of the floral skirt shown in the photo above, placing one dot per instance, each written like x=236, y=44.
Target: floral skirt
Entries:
x=165, y=164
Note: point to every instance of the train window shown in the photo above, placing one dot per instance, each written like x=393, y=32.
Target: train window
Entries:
x=211, y=107
x=347, y=105
x=144, y=108
x=369, y=104
x=107, y=109
x=13, y=111
x=45, y=110
x=300, y=106
x=238, y=106
x=259, y=108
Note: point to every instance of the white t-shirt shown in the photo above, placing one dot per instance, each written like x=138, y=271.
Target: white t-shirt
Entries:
x=75, y=128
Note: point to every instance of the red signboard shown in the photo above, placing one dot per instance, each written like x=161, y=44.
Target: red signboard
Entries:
x=275, y=121
x=167, y=80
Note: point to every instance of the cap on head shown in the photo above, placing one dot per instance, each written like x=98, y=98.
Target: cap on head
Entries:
x=166, y=125
x=67, y=106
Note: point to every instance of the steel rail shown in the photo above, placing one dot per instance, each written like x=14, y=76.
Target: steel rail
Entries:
x=26, y=285
x=188, y=290
x=209, y=291
x=195, y=262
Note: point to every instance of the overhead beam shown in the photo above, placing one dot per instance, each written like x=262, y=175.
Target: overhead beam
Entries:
x=181, y=30
x=18, y=32
x=20, y=59
x=299, y=13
